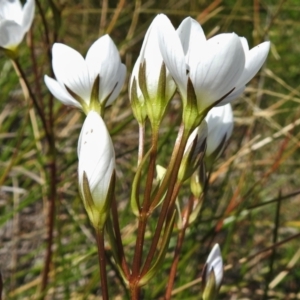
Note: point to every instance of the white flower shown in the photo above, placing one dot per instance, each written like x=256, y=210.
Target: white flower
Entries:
x=96, y=159
x=220, y=125
x=218, y=68
x=15, y=21
x=77, y=78
x=214, y=264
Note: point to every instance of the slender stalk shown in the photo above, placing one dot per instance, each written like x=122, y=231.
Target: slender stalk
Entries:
x=52, y=167
x=141, y=142
x=175, y=160
x=179, y=244
x=137, y=259
x=172, y=192
x=1, y=286
x=50, y=224
x=51, y=162
x=102, y=263
x=161, y=220
x=41, y=114
x=269, y=276
x=37, y=76
x=116, y=225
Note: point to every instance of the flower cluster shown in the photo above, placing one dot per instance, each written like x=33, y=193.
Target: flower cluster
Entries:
x=208, y=74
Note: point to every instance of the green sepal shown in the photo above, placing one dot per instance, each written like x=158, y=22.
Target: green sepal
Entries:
x=143, y=80
x=204, y=112
x=191, y=116
x=83, y=104
x=162, y=252
x=134, y=198
x=155, y=104
x=103, y=102
x=191, y=160
x=210, y=290
x=198, y=181
x=12, y=53
x=110, y=194
x=161, y=172
x=94, y=102
x=97, y=215
x=156, y=107
x=138, y=106
x=196, y=210
x=179, y=217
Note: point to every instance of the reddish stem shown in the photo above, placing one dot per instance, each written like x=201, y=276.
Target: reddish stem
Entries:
x=179, y=244
x=102, y=263
x=170, y=181
x=144, y=213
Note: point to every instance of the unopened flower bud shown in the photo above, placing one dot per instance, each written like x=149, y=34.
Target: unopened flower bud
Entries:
x=220, y=125
x=154, y=87
x=96, y=168
x=212, y=274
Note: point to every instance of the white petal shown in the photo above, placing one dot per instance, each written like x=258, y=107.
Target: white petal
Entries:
x=70, y=69
x=172, y=53
x=244, y=44
x=192, y=39
x=201, y=131
x=11, y=10
x=103, y=58
x=222, y=63
x=28, y=14
x=59, y=92
x=254, y=61
x=122, y=75
x=96, y=157
x=11, y=34
x=220, y=124
x=151, y=55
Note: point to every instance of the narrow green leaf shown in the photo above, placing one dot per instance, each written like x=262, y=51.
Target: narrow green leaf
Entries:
x=162, y=252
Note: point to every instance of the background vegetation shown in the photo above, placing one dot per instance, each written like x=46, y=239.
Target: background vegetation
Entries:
x=252, y=208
